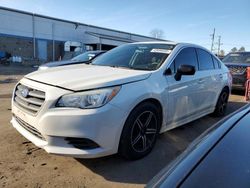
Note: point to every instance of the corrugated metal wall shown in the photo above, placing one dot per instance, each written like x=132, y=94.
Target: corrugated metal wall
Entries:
x=28, y=29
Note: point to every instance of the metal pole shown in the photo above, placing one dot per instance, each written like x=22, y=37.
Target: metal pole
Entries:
x=34, y=39
x=219, y=44
x=100, y=43
x=212, y=45
x=53, y=42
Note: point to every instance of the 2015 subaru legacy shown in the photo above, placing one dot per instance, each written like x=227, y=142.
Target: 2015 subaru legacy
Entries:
x=121, y=101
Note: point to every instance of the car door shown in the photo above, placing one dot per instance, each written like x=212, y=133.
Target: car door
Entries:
x=219, y=81
x=211, y=78
x=184, y=95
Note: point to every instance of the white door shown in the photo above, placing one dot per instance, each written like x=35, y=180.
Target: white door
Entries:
x=211, y=78
x=185, y=95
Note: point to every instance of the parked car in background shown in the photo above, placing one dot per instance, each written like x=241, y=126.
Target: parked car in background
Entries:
x=85, y=57
x=121, y=101
x=221, y=57
x=238, y=64
x=218, y=158
x=5, y=58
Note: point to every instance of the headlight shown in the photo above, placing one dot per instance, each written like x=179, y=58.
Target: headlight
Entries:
x=88, y=99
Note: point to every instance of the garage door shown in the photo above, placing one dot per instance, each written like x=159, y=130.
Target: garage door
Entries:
x=42, y=49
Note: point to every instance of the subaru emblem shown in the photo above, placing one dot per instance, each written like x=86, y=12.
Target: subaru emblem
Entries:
x=25, y=92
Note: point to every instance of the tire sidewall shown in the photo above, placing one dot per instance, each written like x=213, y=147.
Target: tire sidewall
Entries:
x=217, y=111
x=125, y=146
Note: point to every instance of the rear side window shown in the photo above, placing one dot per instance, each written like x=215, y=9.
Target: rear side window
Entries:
x=217, y=64
x=187, y=56
x=205, y=60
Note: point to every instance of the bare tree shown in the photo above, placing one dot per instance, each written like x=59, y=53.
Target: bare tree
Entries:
x=242, y=49
x=234, y=49
x=157, y=33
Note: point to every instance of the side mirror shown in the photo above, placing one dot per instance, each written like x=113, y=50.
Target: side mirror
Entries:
x=184, y=70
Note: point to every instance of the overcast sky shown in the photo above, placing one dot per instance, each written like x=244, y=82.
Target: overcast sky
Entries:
x=181, y=20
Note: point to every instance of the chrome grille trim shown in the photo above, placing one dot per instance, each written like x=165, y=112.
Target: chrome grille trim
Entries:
x=30, y=103
x=237, y=69
x=29, y=128
x=30, y=99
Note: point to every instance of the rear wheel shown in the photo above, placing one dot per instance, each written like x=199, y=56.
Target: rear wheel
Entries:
x=140, y=131
x=221, y=105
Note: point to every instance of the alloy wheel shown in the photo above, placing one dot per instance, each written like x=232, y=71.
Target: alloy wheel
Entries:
x=223, y=102
x=144, y=131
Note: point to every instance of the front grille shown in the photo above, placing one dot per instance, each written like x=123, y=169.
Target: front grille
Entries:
x=29, y=99
x=238, y=81
x=237, y=69
x=29, y=128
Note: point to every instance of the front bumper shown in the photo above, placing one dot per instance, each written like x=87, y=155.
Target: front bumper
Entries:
x=102, y=126
x=239, y=82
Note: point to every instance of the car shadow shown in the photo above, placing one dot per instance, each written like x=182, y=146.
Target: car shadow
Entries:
x=168, y=146
x=16, y=70
x=8, y=81
x=233, y=106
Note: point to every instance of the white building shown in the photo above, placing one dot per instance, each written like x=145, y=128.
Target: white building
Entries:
x=37, y=36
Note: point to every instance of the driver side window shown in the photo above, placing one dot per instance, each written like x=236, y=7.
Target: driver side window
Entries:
x=187, y=56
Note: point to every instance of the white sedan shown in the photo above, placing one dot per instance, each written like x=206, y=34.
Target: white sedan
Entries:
x=120, y=102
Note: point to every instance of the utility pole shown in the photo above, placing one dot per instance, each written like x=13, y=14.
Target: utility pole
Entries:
x=34, y=35
x=212, y=45
x=219, y=44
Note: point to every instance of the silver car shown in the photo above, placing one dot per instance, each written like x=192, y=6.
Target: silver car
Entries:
x=121, y=101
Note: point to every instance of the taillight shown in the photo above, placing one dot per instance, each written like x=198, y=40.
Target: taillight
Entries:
x=248, y=73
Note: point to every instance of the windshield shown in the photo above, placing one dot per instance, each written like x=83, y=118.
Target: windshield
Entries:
x=237, y=58
x=85, y=56
x=136, y=56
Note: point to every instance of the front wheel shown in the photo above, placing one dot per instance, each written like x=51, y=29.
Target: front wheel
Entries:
x=140, y=131
x=221, y=105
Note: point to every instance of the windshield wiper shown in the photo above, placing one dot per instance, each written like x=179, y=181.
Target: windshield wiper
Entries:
x=145, y=69
x=130, y=67
x=84, y=62
x=116, y=66
x=123, y=67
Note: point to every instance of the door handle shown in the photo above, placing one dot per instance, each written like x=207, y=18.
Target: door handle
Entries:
x=220, y=76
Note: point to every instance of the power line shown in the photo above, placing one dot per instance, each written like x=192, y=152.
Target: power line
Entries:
x=213, y=49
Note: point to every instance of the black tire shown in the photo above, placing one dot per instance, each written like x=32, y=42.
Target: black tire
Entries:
x=140, y=131
x=221, y=104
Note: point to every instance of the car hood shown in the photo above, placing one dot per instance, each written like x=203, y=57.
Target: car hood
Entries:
x=237, y=64
x=83, y=77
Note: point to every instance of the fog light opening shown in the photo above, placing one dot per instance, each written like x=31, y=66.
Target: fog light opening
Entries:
x=82, y=143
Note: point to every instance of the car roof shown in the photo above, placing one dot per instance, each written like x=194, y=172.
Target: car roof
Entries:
x=175, y=174
x=228, y=163
x=179, y=44
x=239, y=52
x=157, y=42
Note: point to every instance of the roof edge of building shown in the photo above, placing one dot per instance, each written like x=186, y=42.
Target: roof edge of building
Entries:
x=72, y=22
